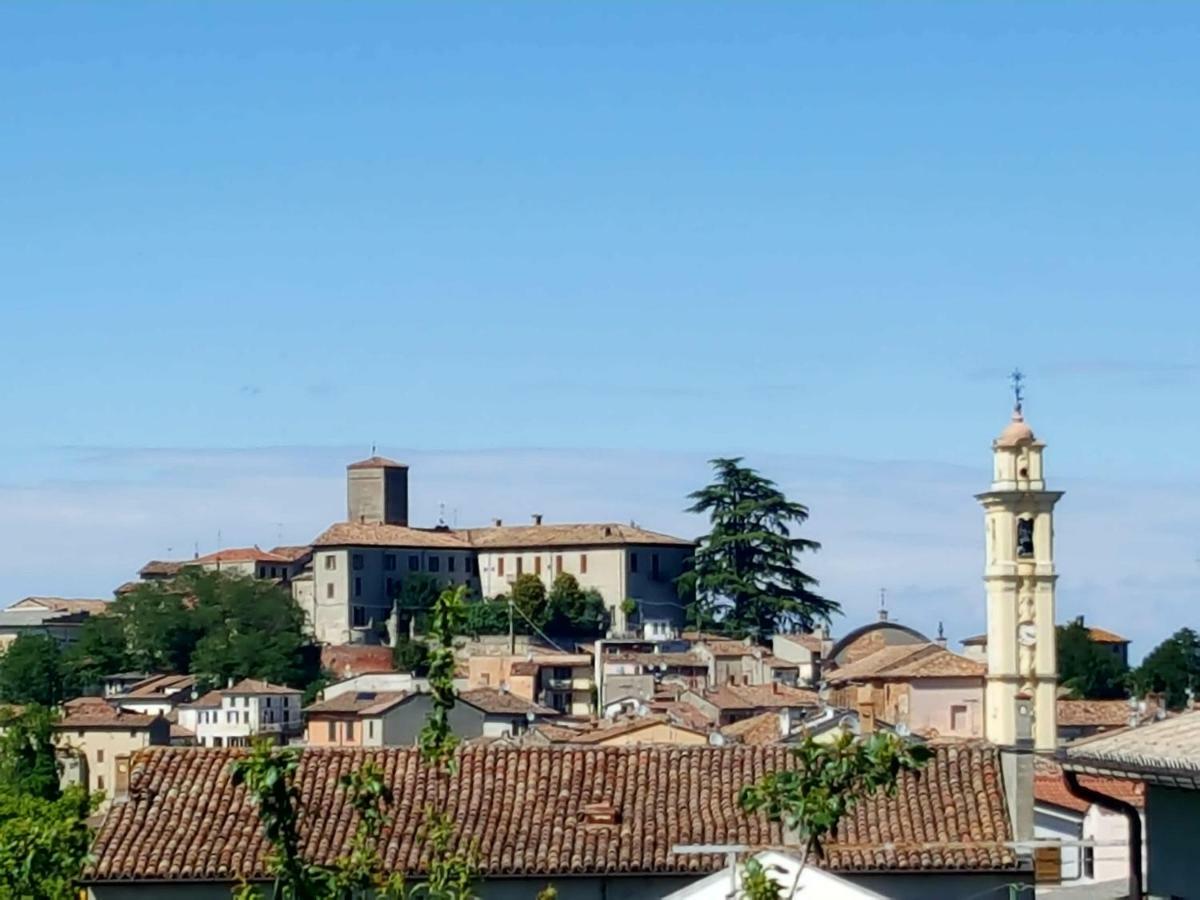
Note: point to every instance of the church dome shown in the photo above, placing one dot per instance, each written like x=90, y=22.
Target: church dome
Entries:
x=1016, y=432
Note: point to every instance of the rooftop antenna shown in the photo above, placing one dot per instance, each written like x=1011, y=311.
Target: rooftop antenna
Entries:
x=1018, y=387
x=195, y=549
x=441, y=514
x=372, y=448
x=883, y=613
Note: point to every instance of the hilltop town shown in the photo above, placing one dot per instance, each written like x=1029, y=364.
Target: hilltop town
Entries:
x=578, y=652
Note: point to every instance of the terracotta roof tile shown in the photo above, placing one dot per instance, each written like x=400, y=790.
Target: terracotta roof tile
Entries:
x=238, y=554
x=521, y=808
x=728, y=648
x=100, y=715
x=354, y=534
x=568, y=535
x=1098, y=713
x=162, y=567
x=490, y=700
x=760, y=696
x=610, y=730
x=810, y=642
x=909, y=661
x=291, y=553
x=1053, y=790
x=157, y=686
x=63, y=604
x=361, y=703
x=760, y=729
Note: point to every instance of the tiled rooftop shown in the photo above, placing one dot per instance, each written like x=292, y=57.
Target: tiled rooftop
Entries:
x=353, y=534
x=522, y=810
x=360, y=703
x=490, y=700
x=909, y=661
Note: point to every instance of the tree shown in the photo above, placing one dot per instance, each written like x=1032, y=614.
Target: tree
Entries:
x=31, y=671
x=744, y=573
x=249, y=629
x=1089, y=670
x=99, y=651
x=1172, y=668
x=411, y=656
x=43, y=843
x=571, y=610
x=44, y=836
x=158, y=622
x=529, y=597
x=828, y=781
x=490, y=617
x=415, y=597
x=28, y=762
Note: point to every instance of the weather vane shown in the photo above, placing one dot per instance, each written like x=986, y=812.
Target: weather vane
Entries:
x=1018, y=385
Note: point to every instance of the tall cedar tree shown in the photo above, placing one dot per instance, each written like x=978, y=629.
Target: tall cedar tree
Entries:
x=744, y=575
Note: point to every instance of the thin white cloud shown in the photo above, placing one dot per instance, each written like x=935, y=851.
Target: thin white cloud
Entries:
x=86, y=520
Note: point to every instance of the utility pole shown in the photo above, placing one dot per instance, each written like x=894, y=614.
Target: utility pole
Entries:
x=512, y=634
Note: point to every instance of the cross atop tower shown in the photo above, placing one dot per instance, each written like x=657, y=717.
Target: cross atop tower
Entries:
x=1018, y=386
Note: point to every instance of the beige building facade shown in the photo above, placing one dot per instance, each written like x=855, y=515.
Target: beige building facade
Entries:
x=358, y=566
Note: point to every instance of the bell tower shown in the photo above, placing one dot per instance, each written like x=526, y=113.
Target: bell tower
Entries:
x=1020, y=578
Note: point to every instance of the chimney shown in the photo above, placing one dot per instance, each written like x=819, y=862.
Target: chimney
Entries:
x=537, y=518
x=786, y=715
x=496, y=523
x=866, y=711
x=941, y=637
x=1016, y=765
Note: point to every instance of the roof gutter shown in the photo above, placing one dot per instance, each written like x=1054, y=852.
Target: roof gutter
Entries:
x=1132, y=816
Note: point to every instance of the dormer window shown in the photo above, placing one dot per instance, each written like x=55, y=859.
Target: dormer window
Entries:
x=1024, y=538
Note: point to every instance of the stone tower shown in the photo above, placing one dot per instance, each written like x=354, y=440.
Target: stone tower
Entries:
x=1019, y=574
x=377, y=492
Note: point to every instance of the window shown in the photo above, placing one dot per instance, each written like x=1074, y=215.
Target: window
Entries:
x=330, y=561
x=958, y=718
x=100, y=755
x=1089, y=862
x=558, y=564
x=359, y=617
x=500, y=567
x=246, y=717
x=231, y=716
x=485, y=679
x=370, y=728
x=653, y=565
x=357, y=585
x=1025, y=537
x=391, y=586
x=414, y=563
x=349, y=731
x=434, y=563
x=449, y=563
x=633, y=562
x=262, y=572
x=537, y=564
x=99, y=782
x=389, y=562
x=357, y=561
x=520, y=565
x=329, y=590
x=582, y=563
x=333, y=731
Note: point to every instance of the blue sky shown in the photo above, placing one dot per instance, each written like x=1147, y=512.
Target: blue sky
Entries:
x=240, y=243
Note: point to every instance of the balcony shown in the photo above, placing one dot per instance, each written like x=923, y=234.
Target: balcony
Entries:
x=557, y=683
